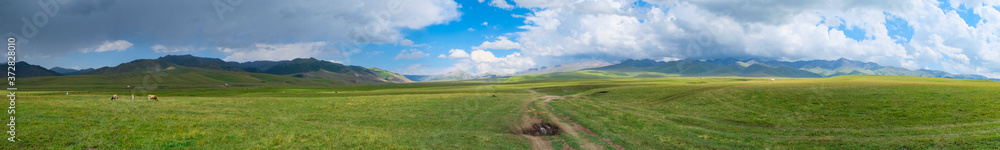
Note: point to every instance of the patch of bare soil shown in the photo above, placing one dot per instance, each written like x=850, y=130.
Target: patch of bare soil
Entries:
x=540, y=129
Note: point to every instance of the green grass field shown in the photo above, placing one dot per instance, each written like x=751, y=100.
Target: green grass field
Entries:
x=846, y=112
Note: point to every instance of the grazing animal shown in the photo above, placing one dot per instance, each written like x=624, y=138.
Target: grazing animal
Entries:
x=114, y=97
x=133, y=96
x=153, y=97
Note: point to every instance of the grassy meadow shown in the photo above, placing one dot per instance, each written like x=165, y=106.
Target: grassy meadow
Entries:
x=845, y=112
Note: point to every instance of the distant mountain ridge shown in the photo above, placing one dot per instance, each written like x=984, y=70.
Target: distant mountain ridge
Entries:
x=139, y=65
x=202, y=62
x=450, y=76
x=24, y=70
x=462, y=75
x=300, y=67
x=69, y=71
x=773, y=68
x=842, y=66
x=690, y=67
x=314, y=68
x=565, y=67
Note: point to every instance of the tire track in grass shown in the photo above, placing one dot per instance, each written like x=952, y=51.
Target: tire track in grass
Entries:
x=537, y=142
x=567, y=126
x=573, y=128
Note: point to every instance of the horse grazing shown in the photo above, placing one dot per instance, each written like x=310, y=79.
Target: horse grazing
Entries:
x=153, y=97
x=114, y=97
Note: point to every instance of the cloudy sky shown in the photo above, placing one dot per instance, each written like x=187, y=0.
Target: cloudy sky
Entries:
x=437, y=36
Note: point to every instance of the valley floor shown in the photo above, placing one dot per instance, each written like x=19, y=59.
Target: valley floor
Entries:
x=846, y=112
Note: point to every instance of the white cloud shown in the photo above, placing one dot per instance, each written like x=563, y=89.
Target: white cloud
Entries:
x=778, y=29
x=481, y=61
x=484, y=61
x=501, y=4
x=669, y=59
x=470, y=29
x=342, y=23
x=421, y=69
x=275, y=52
x=501, y=43
x=455, y=54
x=406, y=42
x=411, y=54
x=118, y=45
x=485, y=24
x=163, y=49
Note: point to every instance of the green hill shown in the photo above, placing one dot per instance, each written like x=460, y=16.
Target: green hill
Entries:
x=757, y=70
x=631, y=63
x=389, y=76
x=314, y=68
x=171, y=77
x=215, y=73
x=201, y=62
x=25, y=70
x=260, y=66
x=303, y=68
x=141, y=65
x=68, y=71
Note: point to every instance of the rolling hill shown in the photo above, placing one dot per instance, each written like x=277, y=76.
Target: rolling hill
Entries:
x=141, y=65
x=260, y=65
x=302, y=68
x=389, y=76
x=199, y=72
x=25, y=70
x=169, y=77
x=68, y=71
x=314, y=68
x=202, y=62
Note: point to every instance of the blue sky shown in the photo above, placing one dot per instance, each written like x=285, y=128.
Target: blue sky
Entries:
x=438, y=36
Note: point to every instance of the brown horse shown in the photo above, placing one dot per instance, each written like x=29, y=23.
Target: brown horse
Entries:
x=153, y=97
x=114, y=97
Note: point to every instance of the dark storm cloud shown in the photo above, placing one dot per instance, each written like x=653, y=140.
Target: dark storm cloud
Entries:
x=80, y=25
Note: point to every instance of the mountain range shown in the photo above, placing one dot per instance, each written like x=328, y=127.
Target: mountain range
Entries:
x=691, y=67
x=773, y=68
x=564, y=67
x=450, y=76
x=25, y=70
x=69, y=71
x=309, y=68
